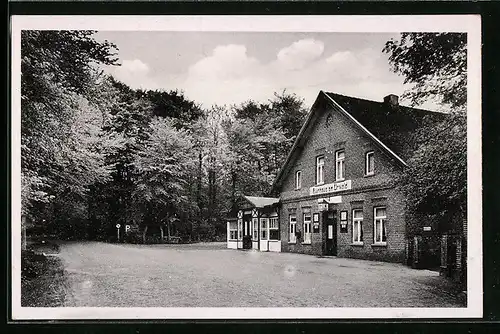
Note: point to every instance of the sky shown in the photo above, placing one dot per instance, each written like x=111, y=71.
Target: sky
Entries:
x=227, y=68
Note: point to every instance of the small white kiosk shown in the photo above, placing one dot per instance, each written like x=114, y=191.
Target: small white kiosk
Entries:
x=256, y=225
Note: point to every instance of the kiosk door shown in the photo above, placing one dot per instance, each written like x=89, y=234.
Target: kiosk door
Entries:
x=247, y=234
x=330, y=232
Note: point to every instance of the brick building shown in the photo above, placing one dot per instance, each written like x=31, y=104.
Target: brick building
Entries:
x=337, y=190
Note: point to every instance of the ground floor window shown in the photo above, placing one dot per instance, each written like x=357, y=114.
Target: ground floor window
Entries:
x=357, y=226
x=273, y=228
x=292, y=228
x=380, y=217
x=233, y=231
x=263, y=228
x=255, y=223
x=307, y=228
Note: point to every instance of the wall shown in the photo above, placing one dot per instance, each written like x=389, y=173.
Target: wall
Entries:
x=332, y=131
x=327, y=137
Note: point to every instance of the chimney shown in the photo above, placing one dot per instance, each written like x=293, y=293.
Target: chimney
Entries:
x=391, y=100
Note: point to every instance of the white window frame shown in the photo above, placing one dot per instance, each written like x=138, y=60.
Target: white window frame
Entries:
x=264, y=228
x=292, y=228
x=255, y=229
x=273, y=225
x=339, y=166
x=367, y=163
x=306, y=227
x=233, y=230
x=298, y=179
x=357, y=225
x=240, y=229
x=320, y=170
x=378, y=239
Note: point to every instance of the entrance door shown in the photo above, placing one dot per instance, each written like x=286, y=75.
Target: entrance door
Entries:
x=247, y=234
x=330, y=232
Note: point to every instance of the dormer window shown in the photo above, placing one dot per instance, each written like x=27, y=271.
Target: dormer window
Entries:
x=320, y=170
x=370, y=163
x=340, y=165
x=298, y=179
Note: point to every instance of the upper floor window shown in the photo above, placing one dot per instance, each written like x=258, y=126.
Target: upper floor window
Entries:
x=370, y=163
x=298, y=179
x=340, y=165
x=320, y=170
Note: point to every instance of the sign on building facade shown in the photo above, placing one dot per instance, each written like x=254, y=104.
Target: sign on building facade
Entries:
x=330, y=188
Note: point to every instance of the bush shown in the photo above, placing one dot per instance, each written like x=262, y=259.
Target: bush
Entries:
x=32, y=264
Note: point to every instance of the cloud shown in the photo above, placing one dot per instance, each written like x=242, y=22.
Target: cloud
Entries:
x=134, y=73
x=229, y=75
x=226, y=62
x=300, y=53
x=134, y=66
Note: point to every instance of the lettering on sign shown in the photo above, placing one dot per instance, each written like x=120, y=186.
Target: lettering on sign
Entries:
x=330, y=188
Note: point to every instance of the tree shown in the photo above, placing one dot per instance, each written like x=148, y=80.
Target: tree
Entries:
x=435, y=64
x=163, y=164
x=260, y=137
x=436, y=179
x=61, y=139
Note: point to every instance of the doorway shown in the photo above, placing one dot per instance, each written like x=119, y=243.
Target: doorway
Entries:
x=330, y=233
x=247, y=234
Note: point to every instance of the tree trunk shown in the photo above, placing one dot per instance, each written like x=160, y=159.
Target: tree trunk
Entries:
x=198, y=188
x=168, y=231
x=161, y=233
x=23, y=236
x=144, y=234
x=233, y=190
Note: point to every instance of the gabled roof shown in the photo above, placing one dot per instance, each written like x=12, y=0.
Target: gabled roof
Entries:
x=393, y=126
x=260, y=202
x=390, y=127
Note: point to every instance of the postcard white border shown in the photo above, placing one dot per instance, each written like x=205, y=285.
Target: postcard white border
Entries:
x=471, y=24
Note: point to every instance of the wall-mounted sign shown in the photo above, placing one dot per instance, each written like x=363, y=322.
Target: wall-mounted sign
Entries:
x=331, y=200
x=343, y=221
x=323, y=207
x=330, y=188
x=343, y=215
x=316, y=217
x=427, y=228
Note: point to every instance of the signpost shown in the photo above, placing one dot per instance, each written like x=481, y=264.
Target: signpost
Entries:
x=118, y=232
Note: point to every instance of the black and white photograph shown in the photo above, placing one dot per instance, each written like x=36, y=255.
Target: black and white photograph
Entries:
x=246, y=167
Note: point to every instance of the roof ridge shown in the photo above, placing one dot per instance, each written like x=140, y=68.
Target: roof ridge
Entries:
x=382, y=103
